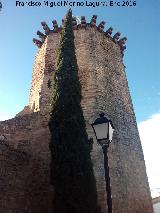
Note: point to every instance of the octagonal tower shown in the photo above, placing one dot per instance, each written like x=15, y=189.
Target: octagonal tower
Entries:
x=104, y=88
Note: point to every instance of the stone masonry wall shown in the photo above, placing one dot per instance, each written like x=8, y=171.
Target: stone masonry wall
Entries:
x=37, y=79
x=25, y=157
x=105, y=88
x=13, y=174
x=24, y=162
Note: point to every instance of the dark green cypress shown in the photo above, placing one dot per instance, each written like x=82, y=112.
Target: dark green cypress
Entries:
x=71, y=168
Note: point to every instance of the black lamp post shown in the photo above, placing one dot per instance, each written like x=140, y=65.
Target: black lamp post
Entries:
x=103, y=129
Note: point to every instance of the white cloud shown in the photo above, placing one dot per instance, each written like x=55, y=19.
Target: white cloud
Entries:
x=150, y=137
x=78, y=18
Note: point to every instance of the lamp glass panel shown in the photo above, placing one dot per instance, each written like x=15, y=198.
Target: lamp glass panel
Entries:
x=101, y=131
x=111, y=130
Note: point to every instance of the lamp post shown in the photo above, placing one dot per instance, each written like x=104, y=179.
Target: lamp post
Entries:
x=103, y=130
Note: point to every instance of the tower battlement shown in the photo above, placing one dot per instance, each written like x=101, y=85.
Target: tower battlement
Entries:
x=83, y=25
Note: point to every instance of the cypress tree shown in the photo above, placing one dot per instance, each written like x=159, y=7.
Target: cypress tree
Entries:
x=71, y=168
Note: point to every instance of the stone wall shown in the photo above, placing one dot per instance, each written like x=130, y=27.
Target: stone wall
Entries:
x=13, y=174
x=24, y=162
x=104, y=88
x=37, y=79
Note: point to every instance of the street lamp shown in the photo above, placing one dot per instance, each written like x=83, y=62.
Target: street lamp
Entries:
x=103, y=130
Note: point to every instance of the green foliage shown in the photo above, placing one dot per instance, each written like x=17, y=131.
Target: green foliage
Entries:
x=71, y=168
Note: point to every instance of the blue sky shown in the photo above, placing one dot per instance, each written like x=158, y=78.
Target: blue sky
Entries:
x=140, y=23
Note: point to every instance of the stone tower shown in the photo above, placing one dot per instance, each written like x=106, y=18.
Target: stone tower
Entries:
x=104, y=88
